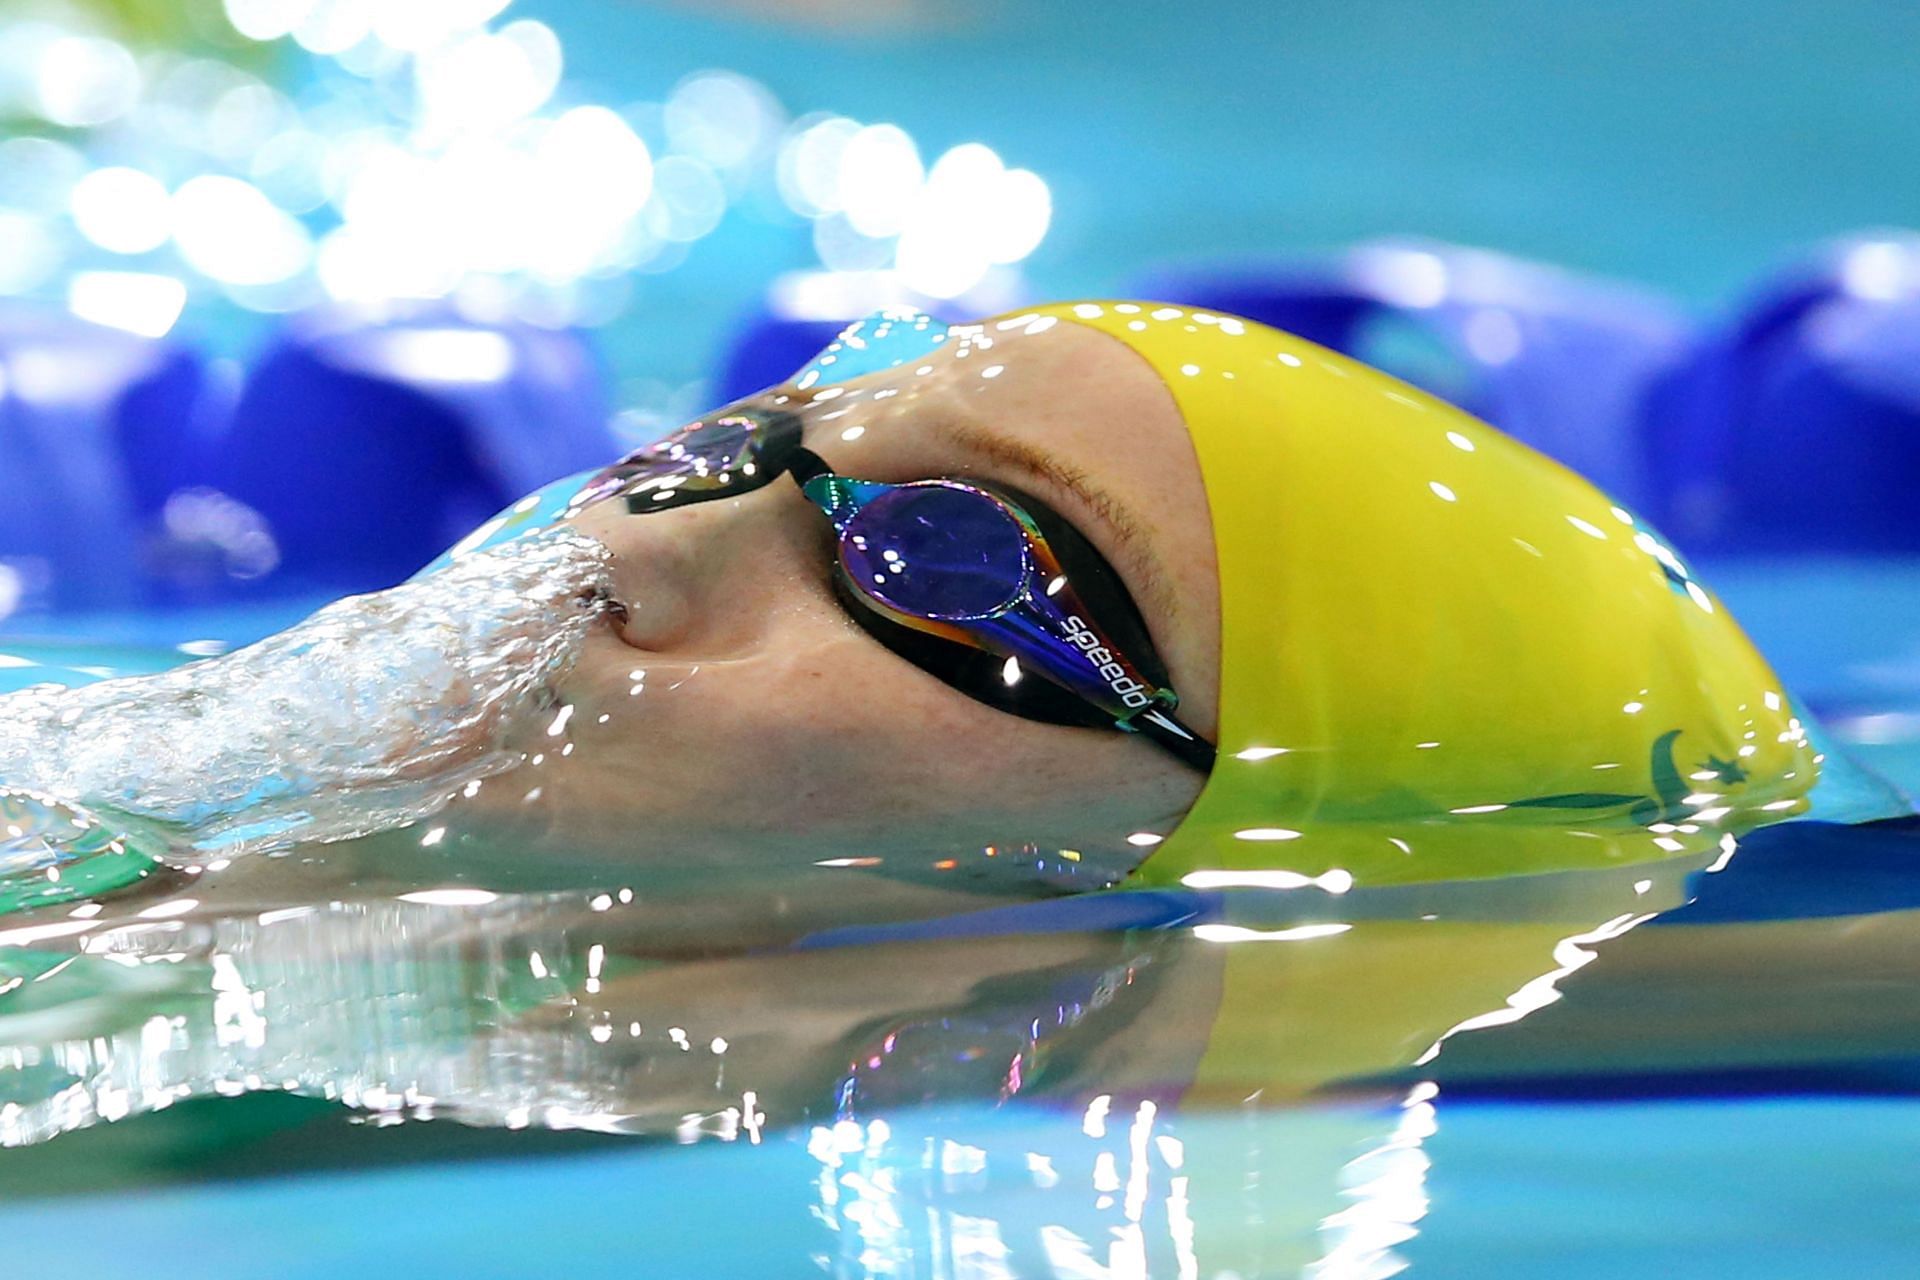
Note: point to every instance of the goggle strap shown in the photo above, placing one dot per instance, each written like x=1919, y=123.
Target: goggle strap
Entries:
x=803, y=464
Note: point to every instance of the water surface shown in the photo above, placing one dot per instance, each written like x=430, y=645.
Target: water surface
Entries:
x=1651, y=1071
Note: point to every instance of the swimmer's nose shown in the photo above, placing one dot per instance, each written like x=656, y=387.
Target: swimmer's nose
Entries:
x=651, y=603
x=646, y=614
x=708, y=576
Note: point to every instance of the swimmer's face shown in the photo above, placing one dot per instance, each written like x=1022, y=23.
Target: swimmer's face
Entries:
x=738, y=700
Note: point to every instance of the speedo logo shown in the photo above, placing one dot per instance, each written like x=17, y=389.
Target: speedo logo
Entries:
x=1129, y=690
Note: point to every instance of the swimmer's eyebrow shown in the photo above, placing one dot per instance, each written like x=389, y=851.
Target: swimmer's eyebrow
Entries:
x=1151, y=580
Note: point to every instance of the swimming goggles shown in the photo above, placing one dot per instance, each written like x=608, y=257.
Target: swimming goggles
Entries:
x=976, y=583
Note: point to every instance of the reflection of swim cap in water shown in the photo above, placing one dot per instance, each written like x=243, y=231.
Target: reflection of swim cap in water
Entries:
x=1442, y=653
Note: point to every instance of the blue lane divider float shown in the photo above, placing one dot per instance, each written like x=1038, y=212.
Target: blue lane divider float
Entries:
x=1559, y=360
x=1794, y=425
x=369, y=447
x=95, y=428
x=136, y=472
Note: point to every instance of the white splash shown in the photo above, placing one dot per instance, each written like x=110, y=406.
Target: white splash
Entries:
x=366, y=715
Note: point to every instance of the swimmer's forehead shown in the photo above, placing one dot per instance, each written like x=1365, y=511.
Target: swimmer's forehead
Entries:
x=1066, y=412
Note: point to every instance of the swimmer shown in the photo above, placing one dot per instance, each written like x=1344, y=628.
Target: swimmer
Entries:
x=730, y=809
x=1096, y=594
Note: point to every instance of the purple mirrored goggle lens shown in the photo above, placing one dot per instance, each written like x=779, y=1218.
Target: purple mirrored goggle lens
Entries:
x=721, y=453
x=937, y=551
x=706, y=448
x=961, y=563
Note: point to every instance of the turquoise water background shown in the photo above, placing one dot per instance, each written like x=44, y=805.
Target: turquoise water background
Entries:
x=1798, y=1178
x=1688, y=147
x=1763, y=1188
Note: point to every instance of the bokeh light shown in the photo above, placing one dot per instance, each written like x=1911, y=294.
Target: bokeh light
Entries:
x=436, y=150
x=228, y=230
x=940, y=230
x=132, y=300
x=122, y=210
x=85, y=80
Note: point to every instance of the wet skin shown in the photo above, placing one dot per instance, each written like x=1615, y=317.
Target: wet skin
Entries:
x=738, y=715
x=769, y=732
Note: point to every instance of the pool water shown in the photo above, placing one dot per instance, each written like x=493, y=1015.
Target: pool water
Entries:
x=1657, y=1072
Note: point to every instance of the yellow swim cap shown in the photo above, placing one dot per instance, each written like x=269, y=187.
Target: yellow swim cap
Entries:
x=1443, y=655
